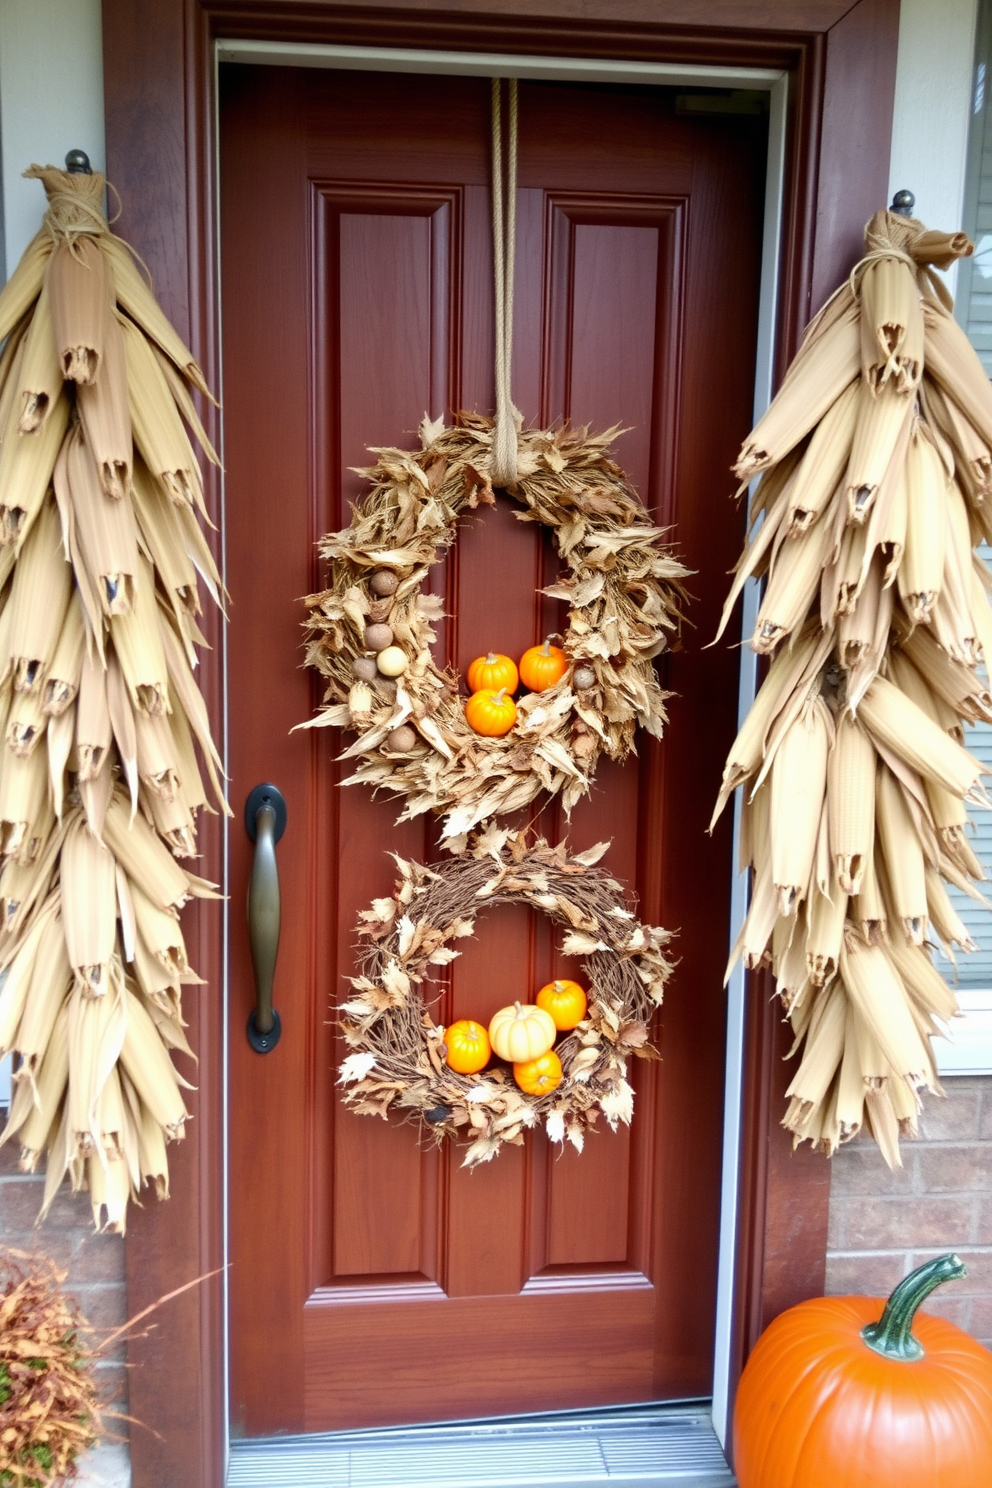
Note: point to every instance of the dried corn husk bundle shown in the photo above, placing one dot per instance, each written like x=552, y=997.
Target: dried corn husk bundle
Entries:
x=396, y=1059
x=99, y=780
x=875, y=464
x=622, y=587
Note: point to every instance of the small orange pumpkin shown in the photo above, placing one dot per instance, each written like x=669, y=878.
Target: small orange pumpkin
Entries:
x=834, y=1396
x=565, y=1001
x=494, y=670
x=542, y=666
x=468, y=1047
x=490, y=713
x=539, y=1076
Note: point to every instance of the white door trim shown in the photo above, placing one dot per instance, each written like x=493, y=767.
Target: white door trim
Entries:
x=592, y=70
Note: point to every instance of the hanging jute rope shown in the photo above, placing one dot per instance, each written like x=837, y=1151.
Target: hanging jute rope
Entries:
x=503, y=468
x=875, y=466
x=370, y=632
x=101, y=554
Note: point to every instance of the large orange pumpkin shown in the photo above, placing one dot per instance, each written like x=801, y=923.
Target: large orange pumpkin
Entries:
x=542, y=666
x=835, y=1397
x=565, y=1001
x=494, y=670
x=468, y=1046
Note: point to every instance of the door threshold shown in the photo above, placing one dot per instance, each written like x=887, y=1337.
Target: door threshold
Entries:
x=626, y=1447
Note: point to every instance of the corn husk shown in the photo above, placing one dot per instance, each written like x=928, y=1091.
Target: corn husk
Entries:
x=99, y=783
x=107, y=533
x=876, y=612
x=27, y=462
x=103, y=409
x=79, y=285
x=18, y=296
x=39, y=599
x=39, y=380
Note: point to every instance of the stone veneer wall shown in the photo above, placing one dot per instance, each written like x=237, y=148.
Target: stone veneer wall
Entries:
x=95, y=1262
x=883, y=1224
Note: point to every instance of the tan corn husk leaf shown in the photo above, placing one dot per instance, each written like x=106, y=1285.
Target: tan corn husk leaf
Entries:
x=39, y=600
x=137, y=638
x=26, y=465
x=62, y=679
x=79, y=286
x=158, y=429
x=103, y=409
x=18, y=296
x=108, y=536
x=39, y=380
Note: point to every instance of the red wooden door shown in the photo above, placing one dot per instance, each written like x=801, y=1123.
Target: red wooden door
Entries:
x=373, y=1279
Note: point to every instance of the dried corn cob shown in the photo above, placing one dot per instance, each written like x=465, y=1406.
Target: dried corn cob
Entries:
x=879, y=612
x=98, y=703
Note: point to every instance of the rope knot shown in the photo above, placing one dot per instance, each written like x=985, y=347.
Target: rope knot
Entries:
x=75, y=203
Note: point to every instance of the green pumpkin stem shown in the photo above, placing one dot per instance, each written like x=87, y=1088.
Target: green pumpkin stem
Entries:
x=892, y=1336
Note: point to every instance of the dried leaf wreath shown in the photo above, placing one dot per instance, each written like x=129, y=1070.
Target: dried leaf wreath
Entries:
x=100, y=714
x=397, y=1050
x=875, y=461
x=623, y=591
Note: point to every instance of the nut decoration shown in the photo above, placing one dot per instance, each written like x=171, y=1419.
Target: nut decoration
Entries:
x=396, y=1051
x=622, y=587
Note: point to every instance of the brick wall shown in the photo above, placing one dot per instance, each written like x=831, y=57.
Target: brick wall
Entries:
x=95, y=1263
x=883, y=1224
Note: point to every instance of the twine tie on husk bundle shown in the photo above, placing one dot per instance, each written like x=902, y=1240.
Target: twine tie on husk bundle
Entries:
x=71, y=210
x=504, y=196
x=874, y=466
x=101, y=556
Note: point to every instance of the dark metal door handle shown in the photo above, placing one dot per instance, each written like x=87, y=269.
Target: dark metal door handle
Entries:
x=265, y=821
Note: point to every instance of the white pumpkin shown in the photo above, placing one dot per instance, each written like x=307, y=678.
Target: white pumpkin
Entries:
x=522, y=1032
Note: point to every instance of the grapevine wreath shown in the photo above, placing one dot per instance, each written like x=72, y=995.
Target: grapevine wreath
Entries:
x=397, y=1058
x=369, y=633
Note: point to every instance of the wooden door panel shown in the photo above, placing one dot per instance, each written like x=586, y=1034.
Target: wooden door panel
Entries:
x=626, y=214
x=429, y=1355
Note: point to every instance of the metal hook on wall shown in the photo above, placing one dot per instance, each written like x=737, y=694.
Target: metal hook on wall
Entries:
x=903, y=203
x=77, y=163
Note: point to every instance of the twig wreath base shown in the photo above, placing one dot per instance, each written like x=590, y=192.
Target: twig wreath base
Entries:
x=397, y=1052
x=622, y=587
